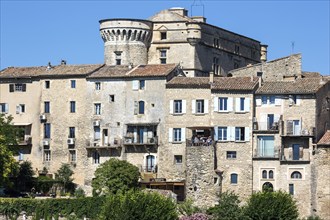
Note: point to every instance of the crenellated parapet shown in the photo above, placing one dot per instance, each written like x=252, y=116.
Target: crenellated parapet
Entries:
x=128, y=37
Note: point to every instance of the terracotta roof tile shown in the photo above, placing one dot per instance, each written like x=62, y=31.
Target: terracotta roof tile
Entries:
x=110, y=71
x=325, y=140
x=60, y=70
x=235, y=83
x=298, y=86
x=189, y=82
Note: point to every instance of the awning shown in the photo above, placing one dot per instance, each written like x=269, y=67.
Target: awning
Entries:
x=22, y=123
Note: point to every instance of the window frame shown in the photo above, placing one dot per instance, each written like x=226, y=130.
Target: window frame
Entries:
x=47, y=84
x=47, y=155
x=73, y=83
x=240, y=134
x=72, y=106
x=72, y=156
x=231, y=155
x=46, y=106
x=178, y=159
x=296, y=175
x=222, y=133
x=223, y=104
x=47, y=130
x=97, y=108
x=200, y=106
x=177, y=106
x=72, y=132
x=234, y=178
x=163, y=35
x=97, y=86
x=177, y=135
x=141, y=108
x=163, y=56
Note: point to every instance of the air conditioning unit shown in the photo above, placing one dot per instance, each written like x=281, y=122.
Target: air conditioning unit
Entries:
x=152, y=140
x=70, y=141
x=96, y=123
x=45, y=142
x=42, y=117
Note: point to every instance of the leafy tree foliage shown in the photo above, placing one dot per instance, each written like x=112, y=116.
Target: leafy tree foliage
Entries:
x=115, y=175
x=228, y=207
x=196, y=216
x=8, y=147
x=63, y=175
x=187, y=208
x=271, y=205
x=138, y=205
x=25, y=180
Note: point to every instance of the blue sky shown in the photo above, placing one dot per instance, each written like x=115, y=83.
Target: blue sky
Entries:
x=35, y=32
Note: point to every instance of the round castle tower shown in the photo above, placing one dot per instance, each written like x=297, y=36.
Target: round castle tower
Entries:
x=126, y=41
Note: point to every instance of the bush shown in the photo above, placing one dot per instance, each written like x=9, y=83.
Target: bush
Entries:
x=228, y=207
x=271, y=205
x=138, y=205
x=196, y=216
x=79, y=193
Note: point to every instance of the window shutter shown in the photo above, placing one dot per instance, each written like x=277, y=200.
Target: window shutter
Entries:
x=216, y=133
x=135, y=84
x=276, y=118
x=289, y=127
x=247, y=104
x=206, y=106
x=216, y=104
x=18, y=109
x=24, y=87
x=278, y=101
x=6, y=107
x=183, y=134
x=237, y=104
x=11, y=87
x=135, y=135
x=171, y=106
x=231, y=131
x=184, y=103
x=298, y=100
x=258, y=101
x=247, y=134
x=193, y=106
x=136, y=107
x=263, y=122
x=170, y=135
x=230, y=104
x=301, y=152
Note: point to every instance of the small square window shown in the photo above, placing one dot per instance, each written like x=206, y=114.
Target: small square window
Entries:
x=233, y=178
x=97, y=86
x=73, y=84
x=291, y=189
x=47, y=84
x=163, y=35
x=178, y=159
x=111, y=98
x=142, y=84
x=231, y=154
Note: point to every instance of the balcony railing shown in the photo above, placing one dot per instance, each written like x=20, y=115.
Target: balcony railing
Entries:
x=275, y=154
x=137, y=141
x=265, y=126
x=149, y=169
x=304, y=156
x=27, y=140
x=199, y=142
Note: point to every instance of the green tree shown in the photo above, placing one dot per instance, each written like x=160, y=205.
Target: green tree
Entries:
x=138, y=205
x=228, y=207
x=8, y=148
x=271, y=205
x=25, y=180
x=64, y=176
x=115, y=175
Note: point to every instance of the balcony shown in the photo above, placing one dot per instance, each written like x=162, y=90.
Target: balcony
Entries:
x=265, y=127
x=203, y=141
x=105, y=143
x=273, y=154
x=26, y=140
x=128, y=140
x=290, y=158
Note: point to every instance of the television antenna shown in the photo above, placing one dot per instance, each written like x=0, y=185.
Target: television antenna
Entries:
x=197, y=4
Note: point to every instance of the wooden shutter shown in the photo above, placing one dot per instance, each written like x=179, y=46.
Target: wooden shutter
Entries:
x=278, y=101
x=135, y=84
x=216, y=104
x=136, y=107
x=183, y=134
x=6, y=107
x=298, y=100
x=193, y=106
x=171, y=106
x=247, y=104
x=206, y=106
x=230, y=104
x=170, y=135
x=216, y=133
x=237, y=104
x=11, y=87
x=289, y=127
x=23, y=87
x=301, y=152
x=258, y=101
x=184, y=103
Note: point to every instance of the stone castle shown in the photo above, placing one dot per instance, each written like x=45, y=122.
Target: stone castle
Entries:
x=197, y=108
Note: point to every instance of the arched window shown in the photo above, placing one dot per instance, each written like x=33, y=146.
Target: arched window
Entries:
x=296, y=175
x=264, y=174
x=233, y=178
x=271, y=174
x=141, y=107
x=267, y=187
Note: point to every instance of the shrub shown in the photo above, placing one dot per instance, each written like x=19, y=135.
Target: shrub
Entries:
x=271, y=205
x=79, y=193
x=196, y=216
x=187, y=208
x=138, y=205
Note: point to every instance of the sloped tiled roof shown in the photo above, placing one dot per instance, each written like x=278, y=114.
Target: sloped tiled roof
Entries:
x=60, y=70
x=306, y=74
x=189, y=82
x=298, y=86
x=325, y=140
x=153, y=70
x=235, y=83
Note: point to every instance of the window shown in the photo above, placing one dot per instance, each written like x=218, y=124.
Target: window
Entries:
x=271, y=174
x=47, y=84
x=231, y=154
x=242, y=104
x=216, y=66
x=118, y=57
x=17, y=87
x=177, y=134
x=73, y=84
x=20, y=108
x=72, y=133
x=97, y=108
x=163, y=56
x=46, y=107
x=142, y=84
x=111, y=98
x=240, y=134
x=97, y=86
x=233, y=178
x=141, y=107
x=177, y=106
x=177, y=159
x=47, y=130
x=4, y=107
x=267, y=187
x=296, y=175
x=291, y=189
x=264, y=174
x=266, y=146
x=72, y=156
x=199, y=106
x=47, y=154
x=223, y=104
x=236, y=49
x=268, y=100
x=163, y=35
x=20, y=155
x=222, y=134
x=96, y=157
x=97, y=133
x=72, y=106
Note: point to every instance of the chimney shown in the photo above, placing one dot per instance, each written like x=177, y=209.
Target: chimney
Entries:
x=63, y=62
x=180, y=11
x=211, y=77
x=49, y=66
x=259, y=75
x=263, y=52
